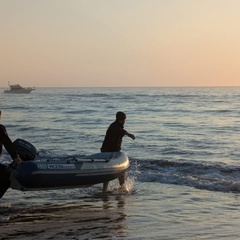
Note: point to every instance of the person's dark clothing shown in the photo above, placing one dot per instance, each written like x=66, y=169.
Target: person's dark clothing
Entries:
x=113, y=138
x=6, y=142
x=4, y=180
x=4, y=174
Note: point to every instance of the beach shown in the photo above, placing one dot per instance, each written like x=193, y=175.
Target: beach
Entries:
x=173, y=213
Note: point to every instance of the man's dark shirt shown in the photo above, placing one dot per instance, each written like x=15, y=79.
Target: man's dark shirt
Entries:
x=113, y=138
x=6, y=142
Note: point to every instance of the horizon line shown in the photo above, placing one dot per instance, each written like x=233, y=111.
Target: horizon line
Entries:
x=230, y=86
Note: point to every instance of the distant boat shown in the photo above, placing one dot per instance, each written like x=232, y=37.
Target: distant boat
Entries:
x=16, y=88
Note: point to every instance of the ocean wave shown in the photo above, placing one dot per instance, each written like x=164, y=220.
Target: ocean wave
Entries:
x=92, y=95
x=207, y=176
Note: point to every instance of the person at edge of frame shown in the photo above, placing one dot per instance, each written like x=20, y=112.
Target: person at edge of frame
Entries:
x=8, y=145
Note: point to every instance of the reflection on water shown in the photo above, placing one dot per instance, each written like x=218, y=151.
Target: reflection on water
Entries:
x=66, y=215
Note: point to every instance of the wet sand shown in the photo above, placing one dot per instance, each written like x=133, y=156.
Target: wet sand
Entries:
x=87, y=218
x=90, y=225
x=150, y=211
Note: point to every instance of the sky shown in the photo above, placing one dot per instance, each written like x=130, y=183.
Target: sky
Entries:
x=120, y=43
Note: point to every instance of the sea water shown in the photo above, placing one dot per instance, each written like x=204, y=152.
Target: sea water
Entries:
x=184, y=175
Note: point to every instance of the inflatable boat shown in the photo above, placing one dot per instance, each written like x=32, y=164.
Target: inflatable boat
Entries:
x=71, y=172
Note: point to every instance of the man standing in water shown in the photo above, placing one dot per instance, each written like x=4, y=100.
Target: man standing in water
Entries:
x=113, y=141
x=7, y=143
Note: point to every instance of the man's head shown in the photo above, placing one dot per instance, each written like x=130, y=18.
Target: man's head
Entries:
x=121, y=117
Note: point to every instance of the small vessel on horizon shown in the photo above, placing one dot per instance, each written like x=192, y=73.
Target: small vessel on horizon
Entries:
x=16, y=88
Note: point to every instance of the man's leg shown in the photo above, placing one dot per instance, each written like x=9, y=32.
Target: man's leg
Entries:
x=4, y=180
x=121, y=180
x=105, y=186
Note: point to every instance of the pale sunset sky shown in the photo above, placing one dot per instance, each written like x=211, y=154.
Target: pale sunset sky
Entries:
x=120, y=43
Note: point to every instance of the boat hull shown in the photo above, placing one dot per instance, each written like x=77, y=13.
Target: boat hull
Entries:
x=59, y=174
x=21, y=91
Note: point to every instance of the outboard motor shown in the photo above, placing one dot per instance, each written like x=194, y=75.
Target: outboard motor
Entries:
x=25, y=149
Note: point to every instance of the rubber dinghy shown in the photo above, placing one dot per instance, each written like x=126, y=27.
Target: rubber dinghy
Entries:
x=69, y=173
